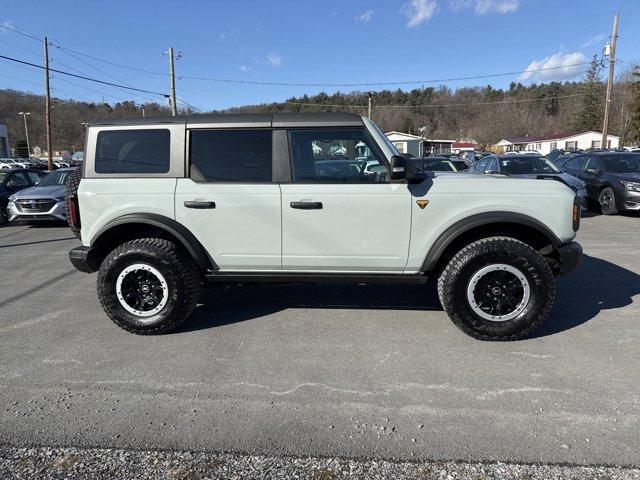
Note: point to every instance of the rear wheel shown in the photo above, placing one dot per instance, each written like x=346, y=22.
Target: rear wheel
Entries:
x=148, y=286
x=497, y=289
x=607, y=200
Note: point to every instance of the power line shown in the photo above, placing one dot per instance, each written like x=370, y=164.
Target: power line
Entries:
x=14, y=29
x=82, y=77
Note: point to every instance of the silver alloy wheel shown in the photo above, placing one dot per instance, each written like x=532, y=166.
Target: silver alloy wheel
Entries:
x=498, y=292
x=606, y=199
x=142, y=290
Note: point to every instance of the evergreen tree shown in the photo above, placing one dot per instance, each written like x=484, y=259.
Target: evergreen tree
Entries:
x=591, y=113
x=633, y=134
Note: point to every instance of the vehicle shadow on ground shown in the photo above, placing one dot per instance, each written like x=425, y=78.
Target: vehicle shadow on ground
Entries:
x=247, y=302
x=597, y=285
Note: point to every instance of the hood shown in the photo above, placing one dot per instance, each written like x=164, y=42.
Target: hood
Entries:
x=41, y=192
x=568, y=179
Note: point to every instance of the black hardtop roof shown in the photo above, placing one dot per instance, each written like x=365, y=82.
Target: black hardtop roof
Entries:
x=265, y=120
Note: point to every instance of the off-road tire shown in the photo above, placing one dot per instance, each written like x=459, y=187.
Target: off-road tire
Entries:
x=607, y=208
x=178, y=269
x=71, y=188
x=454, y=281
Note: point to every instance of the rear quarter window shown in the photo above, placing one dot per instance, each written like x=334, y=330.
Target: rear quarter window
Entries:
x=133, y=151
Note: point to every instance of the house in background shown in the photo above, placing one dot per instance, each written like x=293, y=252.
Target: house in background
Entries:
x=4, y=141
x=564, y=140
x=458, y=147
x=419, y=146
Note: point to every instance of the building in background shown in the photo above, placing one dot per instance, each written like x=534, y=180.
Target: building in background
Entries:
x=459, y=147
x=4, y=141
x=564, y=140
x=419, y=146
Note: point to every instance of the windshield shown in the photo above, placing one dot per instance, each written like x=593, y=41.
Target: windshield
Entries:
x=383, y=137
x=525, y=165
x=55, y=178
x=621, y=163
x=438, y=166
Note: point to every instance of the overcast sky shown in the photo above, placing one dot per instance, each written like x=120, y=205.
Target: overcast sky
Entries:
x=328, y=41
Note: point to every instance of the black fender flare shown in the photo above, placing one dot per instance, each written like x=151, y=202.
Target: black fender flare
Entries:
x=187, y=239
x=454, y=231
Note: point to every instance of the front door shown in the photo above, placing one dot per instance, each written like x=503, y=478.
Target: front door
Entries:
x=341, y=213
x=229, y=202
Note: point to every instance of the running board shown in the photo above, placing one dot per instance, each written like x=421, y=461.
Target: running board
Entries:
x=287, y=277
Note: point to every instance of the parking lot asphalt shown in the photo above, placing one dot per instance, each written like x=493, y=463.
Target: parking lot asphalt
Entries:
x=324, y=370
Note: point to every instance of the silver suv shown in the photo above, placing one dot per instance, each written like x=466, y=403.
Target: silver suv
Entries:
x=166, y=205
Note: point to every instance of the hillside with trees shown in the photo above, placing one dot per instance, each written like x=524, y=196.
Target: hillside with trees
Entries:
x=482, y=113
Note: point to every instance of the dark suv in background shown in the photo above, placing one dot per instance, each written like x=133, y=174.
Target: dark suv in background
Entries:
x=612, y=178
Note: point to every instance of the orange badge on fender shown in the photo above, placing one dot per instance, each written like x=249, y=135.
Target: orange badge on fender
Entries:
x=422, y=202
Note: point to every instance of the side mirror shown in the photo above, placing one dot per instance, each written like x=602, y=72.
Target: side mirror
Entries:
x=402, y=168
x=592, y=171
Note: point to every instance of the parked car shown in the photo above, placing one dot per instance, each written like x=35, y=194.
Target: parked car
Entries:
x=436, y=164
x=249, y=202
x=12, y=181
x=6, y=163
x=44, y=201
x=529, y=166
x=612, y=179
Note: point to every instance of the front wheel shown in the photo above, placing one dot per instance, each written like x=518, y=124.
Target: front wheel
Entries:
x=497, y=288
x=607, y=200
x=148, y=286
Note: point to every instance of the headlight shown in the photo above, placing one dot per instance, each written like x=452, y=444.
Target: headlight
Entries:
x=635, y=186
x=12, y=198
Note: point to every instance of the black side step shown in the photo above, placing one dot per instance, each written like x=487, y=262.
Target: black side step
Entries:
x=287, y=277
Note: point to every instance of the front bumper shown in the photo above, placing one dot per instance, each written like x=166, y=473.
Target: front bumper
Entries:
x=82, y=259
x=56, y=212
x=628, y=200
x=569, y=256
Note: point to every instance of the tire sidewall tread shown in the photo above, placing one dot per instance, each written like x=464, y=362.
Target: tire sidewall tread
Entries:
x=452, y=286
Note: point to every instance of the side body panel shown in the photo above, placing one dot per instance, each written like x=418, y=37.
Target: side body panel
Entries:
x=360, y=228
x=456, y=197
x=243, y=231
x=104, y=200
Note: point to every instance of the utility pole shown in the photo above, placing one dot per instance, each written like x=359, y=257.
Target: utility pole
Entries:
x=369, y=95
x=612, y=64
x=172, y=72
x=26, y=131
x=47, y=106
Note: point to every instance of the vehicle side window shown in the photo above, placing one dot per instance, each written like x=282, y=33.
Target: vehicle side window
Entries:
x=481, y=165
x=593, y=163
x=18, y=180
x=492, y=165
x=230, y=155
x=336, y=155
x=133, y=151
x=574, y=163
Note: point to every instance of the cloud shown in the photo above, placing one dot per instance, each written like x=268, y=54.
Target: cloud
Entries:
x=594, y=40
x=483, y=7
x=245, y=68
x=418, y=11
x=274, y=59
x=559, y=65
x=366, y=16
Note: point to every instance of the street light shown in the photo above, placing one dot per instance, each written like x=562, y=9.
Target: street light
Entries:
x=26, y=131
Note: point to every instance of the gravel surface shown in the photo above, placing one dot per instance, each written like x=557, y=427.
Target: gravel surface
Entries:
x=54, y=463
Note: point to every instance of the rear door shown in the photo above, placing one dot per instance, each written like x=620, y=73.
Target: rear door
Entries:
x=341, y=213
x=229, y=201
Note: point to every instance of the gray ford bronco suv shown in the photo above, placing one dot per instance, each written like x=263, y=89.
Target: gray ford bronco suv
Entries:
x=165, y=205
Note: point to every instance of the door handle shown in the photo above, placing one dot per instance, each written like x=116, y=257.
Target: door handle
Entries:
x=199, y=205
x=306, y=205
